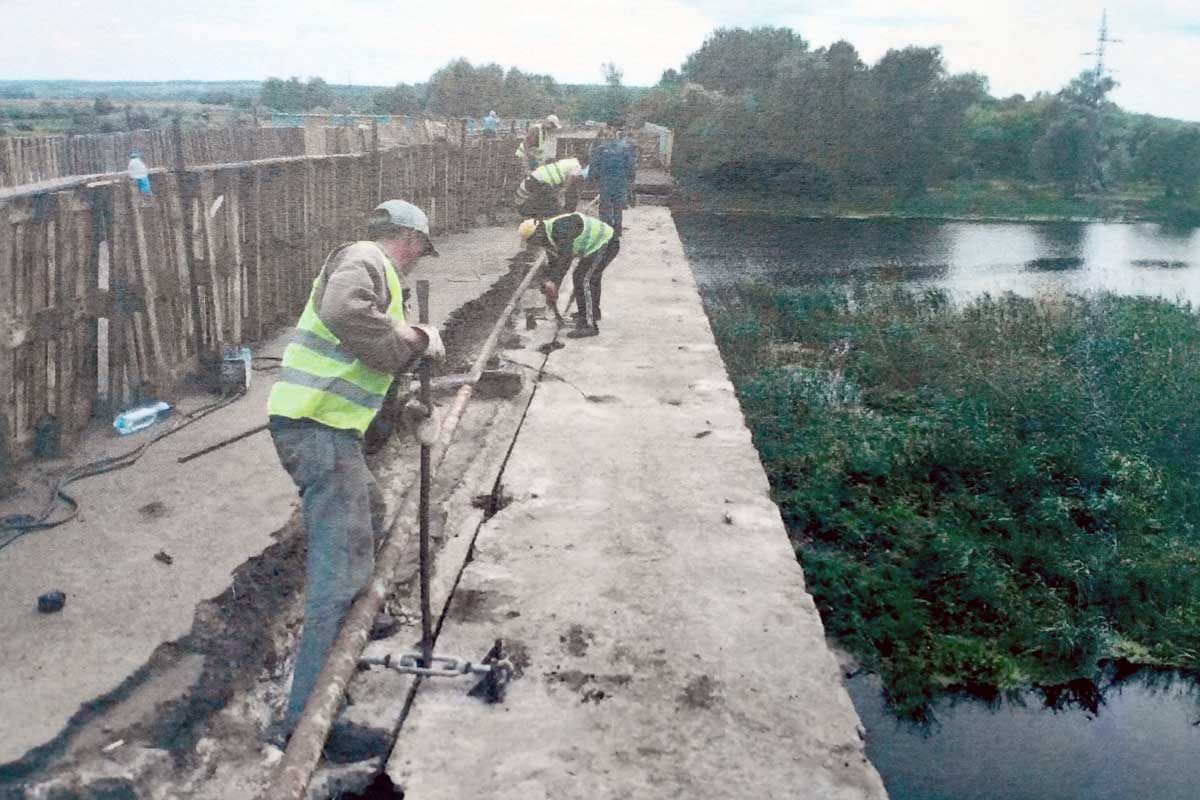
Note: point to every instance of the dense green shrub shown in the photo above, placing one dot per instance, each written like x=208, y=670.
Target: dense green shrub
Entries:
x=998, y=494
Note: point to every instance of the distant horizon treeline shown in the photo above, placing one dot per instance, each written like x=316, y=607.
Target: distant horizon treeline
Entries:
x=760, y=107
x=463, y=89
x=458, y=89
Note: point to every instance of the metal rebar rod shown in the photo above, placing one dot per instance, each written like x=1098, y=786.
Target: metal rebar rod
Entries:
x=222, y=443
x=426, y=482
x=308, y=739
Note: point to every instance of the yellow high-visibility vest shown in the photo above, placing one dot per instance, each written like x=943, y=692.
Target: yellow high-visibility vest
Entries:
x=595, y=234
x=556, y=172
x=321, y=381
x=537, y=152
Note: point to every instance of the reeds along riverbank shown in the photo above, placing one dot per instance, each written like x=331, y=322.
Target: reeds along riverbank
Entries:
x=999, y=494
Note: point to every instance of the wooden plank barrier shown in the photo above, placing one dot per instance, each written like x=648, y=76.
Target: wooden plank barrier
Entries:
x=31, y=159
x=109, y=297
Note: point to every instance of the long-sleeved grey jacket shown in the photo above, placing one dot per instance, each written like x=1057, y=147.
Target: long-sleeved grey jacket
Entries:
x=352, y=301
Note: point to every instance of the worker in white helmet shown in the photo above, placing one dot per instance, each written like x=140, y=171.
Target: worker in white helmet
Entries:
x=350, y=342
x=532, y=149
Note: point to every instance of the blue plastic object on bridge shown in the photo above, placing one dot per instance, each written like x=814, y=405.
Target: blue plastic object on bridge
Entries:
x=136, y=419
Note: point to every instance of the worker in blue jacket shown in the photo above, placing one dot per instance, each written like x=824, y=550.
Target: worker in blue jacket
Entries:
x=612, y=168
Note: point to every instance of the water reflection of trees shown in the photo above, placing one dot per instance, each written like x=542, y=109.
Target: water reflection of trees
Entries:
x=1064, y=239
x=801, y=251
x=1087, y=695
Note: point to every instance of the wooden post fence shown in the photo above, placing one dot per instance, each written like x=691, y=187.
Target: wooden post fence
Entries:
x=108, y=297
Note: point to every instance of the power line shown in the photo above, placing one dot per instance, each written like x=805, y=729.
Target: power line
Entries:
x=1102, y=42
x=1094, y=95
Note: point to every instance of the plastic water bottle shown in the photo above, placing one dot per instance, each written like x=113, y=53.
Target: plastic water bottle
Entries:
x=135, y=419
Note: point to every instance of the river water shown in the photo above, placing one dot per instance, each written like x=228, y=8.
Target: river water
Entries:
x=965, y=258
x=1111, y=740
x=1140, y=739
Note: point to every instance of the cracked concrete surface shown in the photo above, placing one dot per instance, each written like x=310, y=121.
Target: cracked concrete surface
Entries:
x=645, y=584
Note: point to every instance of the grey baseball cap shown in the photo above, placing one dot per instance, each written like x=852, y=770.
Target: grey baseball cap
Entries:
x=403, y=214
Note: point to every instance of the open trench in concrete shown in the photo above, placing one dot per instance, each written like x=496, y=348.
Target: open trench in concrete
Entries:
x=190, y=721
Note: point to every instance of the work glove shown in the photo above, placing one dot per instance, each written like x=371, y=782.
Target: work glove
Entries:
x=434, y=350
x=421, y=421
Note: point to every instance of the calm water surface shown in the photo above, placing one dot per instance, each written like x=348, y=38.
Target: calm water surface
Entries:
x=1140, y=740
x=965, y=258
x=1137, y=739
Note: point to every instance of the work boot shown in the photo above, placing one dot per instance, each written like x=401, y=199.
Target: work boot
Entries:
x=383, y=627
x=584, y=331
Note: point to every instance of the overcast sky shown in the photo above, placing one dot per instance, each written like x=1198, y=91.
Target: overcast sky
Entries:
x=1020, y=46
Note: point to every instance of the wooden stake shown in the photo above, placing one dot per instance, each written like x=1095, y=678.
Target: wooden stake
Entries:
x=158, y=356
x=217, y=327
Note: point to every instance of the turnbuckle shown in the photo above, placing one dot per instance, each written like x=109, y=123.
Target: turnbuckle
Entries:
x=442, y=666
x=495, y=669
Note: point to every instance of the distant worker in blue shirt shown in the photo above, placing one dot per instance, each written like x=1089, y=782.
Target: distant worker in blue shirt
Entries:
x=612, y=168
x=491, y=125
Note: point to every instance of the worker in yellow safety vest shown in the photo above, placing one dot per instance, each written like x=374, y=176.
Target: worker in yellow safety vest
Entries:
x=565, y=237
x=532, y=149
x=550, y=189
x=350, y=342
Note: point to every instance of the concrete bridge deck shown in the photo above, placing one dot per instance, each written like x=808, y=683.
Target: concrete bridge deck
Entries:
x=645, y=582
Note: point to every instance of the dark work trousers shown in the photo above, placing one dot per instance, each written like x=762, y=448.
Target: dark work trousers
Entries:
x=344, y=518
x=586, y=278
x=611, y=211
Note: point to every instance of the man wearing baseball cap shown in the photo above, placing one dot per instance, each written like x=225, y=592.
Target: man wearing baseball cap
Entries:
x=349, y=344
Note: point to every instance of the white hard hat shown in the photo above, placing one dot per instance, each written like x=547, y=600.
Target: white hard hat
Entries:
x=553, y=120
x=403, y=214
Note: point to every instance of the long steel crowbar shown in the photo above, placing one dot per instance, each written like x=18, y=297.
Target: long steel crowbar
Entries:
x=495, y=668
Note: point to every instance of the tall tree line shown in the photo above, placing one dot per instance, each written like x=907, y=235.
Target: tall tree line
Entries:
x=463, y=89
x=762, y=108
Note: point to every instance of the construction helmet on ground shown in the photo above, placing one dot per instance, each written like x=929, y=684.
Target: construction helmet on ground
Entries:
x=527, y=228
x=402, y=214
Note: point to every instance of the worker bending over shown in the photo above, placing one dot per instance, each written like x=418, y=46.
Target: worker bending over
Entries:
x=532, y=149
x=564, y=237
x=350, y=342
x=550, y=189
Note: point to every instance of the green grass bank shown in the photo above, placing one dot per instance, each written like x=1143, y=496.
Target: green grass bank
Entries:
x=998, y=495
x=981, y=200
